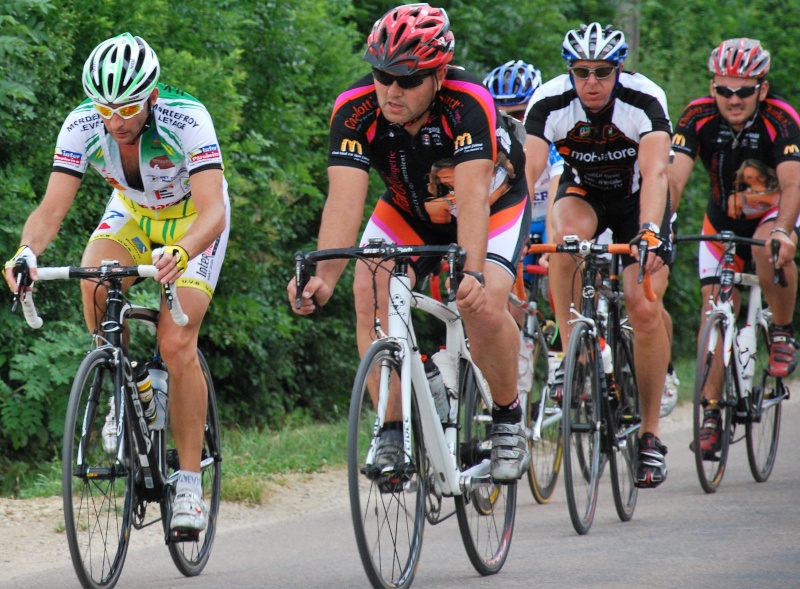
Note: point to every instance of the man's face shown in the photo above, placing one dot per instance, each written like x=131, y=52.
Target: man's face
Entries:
x=594, y=90
x=399, y=105
x=126, y=131
x=735, y=109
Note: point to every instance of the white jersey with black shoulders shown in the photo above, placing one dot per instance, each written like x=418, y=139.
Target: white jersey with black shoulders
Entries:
x=600, y=150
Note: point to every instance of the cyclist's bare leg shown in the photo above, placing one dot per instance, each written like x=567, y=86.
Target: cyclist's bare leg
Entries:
x=650, y=342
x=780, y=299
x=494, y=336
x=713, y=387
x=365, y=323
x=188, y=395
x=570, y=216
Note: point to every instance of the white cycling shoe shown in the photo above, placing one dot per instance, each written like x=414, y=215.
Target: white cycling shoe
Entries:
x=189, y=513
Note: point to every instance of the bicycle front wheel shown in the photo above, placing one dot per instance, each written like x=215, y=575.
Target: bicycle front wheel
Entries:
x=624, y=404
x=191, y=557
x=711, y=375
x=486, y=513
x=97, y=488
x=388, y=509
x=581, y=428
x=543, y=428
x=764, y=422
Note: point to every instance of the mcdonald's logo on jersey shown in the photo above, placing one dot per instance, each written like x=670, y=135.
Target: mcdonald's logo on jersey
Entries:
x=351, y=145
x=790, y=149
x=679, y=140
x=463, y=139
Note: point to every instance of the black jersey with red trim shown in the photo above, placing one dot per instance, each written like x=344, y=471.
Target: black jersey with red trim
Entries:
x=600, y=150
x=772, y=136
x=463, y=125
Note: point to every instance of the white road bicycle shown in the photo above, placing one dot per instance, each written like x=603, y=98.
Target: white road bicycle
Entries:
x=445, y=456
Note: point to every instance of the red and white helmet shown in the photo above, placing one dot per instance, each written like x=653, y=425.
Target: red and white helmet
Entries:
x=410, y=39
x=740, y=58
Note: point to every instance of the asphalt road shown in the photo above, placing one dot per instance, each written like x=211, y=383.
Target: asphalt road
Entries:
x=747, y=535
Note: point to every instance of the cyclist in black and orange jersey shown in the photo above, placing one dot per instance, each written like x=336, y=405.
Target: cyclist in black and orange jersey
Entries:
x=410, y=113
x=156, y=146
x=744, y=134
x=613, y=131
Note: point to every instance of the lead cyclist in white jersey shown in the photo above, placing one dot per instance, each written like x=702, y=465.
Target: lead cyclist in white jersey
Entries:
x=157, y=147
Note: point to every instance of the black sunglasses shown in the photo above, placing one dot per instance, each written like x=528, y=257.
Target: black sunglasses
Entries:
x=601, y=73
x=405, y=82
x=741, y=91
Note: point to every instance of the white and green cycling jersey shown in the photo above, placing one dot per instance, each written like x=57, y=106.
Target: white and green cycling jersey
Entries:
x=180, y=142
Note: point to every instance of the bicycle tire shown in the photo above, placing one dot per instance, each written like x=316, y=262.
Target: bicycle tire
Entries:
x=626, y=414
x=388, y=511
x=546, y=450
x=486, y=514
x=711, y=464
x=97, y=489
x=191, y=557
x=763, y=427
x=581, y=427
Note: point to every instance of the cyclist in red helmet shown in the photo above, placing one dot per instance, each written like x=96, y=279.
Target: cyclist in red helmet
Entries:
x=410, y=113
x=743, y=130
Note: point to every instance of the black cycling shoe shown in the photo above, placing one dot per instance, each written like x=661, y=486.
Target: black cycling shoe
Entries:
x=651, y=469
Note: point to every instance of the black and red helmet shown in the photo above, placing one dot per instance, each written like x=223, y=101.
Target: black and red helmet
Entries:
x=410, y=39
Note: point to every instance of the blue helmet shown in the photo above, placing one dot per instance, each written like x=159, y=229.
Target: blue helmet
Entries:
x=594, y=43
x=512, y=84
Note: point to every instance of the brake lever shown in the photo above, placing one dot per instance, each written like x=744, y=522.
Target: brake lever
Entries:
x=23, y=276
x=642, y=259
x=301, y=276
x=779, y=277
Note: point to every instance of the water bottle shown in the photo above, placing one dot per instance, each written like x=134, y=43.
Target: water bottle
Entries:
x=145, y=385
x=447, y=367
x=525, y=364
x=746, y=340
x=160, y=379
x=608, y=360
x=438, y=390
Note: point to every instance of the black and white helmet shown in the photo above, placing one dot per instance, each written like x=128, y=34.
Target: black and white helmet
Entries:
x=594, y=43
x=121, y=69
x=739, y=58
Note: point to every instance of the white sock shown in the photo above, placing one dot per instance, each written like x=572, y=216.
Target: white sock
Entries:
x=189, y=481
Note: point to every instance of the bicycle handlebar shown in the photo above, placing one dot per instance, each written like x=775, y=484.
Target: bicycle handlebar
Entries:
x=377, y=249
x=587, y=248
x=102, y=272
x=729, y=239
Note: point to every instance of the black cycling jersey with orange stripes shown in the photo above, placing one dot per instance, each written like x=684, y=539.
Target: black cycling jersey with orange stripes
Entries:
x=463, y=125
x=772, y=136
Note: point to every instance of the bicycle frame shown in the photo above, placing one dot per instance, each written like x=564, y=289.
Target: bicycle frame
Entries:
x=440, y=443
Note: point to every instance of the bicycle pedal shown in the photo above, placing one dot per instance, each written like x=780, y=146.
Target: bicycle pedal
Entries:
x=184, y=536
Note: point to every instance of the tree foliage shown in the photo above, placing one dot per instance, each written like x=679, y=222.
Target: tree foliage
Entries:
x=269, y=73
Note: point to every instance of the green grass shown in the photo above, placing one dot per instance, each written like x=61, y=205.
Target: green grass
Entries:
x=253, y=460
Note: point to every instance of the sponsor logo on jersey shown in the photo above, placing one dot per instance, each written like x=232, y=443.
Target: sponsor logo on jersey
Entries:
x=463, y=139
x=608, y=156
x=71, y=158
x=161, y=162
x=584, y=132
x=205, y=153
x=359, y=111
x=351, y=146
x=161, y=194
x=139, y=245
x=790, y=149
x=679, y=140
x=207, y=259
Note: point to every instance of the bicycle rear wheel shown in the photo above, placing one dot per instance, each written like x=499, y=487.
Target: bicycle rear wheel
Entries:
x=711, y=374
x=544, y=434
x=388, y=510
x=764, y=422
x=581, y=428
x=627, y=420
x=485, y=514
x=191, y=557
x=97, y=488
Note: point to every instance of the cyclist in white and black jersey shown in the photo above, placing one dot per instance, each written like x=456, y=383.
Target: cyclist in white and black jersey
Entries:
x=613, y=131
x=156, y=146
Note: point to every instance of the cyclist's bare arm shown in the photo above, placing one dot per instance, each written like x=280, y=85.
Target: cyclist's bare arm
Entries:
x=208, y=198
x=472, y=180
x=653, y=165
x=678, y=175
x=788, y=209
x=44, y=222
x=341, y=220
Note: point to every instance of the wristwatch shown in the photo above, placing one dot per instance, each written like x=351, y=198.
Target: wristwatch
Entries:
x=651, y=227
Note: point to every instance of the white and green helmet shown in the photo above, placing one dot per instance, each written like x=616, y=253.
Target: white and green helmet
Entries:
x=121, y=69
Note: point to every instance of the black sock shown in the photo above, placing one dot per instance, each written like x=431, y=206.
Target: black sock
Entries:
x=507, y=413
x=392, y=426
x=786, y=328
